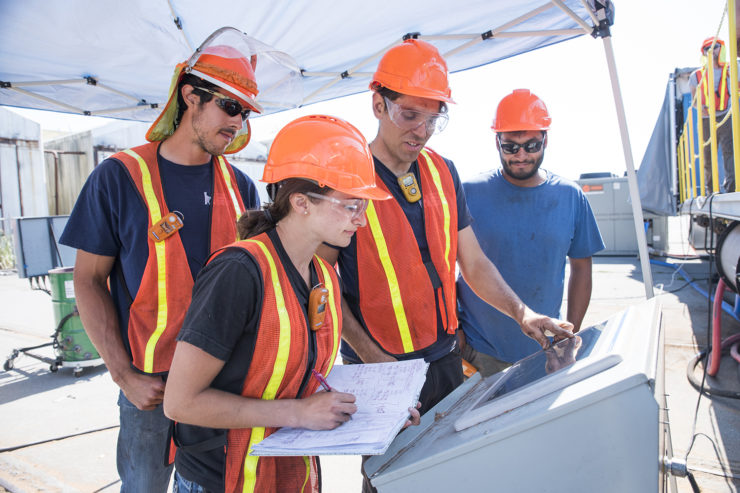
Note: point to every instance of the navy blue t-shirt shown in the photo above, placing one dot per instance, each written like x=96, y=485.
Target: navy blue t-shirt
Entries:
x=415, y=215
x=110, y=218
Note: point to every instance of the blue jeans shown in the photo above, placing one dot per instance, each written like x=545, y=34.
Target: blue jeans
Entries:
x=142, y=441
x=182, y=485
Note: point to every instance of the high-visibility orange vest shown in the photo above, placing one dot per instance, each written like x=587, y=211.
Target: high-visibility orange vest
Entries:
x=721, y=95
x=158, y=310
x=398, y=299
x=279, y=367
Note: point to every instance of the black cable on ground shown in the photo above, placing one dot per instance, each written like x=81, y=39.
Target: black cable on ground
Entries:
x=692, y=481
x=699, y=385
x=25, y=445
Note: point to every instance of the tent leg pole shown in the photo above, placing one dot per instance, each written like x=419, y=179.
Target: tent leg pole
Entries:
x=631, y=176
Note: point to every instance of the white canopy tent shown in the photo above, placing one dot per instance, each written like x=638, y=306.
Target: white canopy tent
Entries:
x=115, y=59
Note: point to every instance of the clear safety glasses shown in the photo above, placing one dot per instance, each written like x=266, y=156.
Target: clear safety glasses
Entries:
x=231, y=107
x=354, y=207
x=512, y=148
x=408, y=119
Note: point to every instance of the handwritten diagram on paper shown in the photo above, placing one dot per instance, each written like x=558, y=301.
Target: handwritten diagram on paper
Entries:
x=384, y=392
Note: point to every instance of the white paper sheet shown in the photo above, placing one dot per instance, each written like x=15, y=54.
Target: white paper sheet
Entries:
x=384, y=392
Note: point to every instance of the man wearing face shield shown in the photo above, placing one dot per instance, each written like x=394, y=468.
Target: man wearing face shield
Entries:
x=148, y=218
x=528, y=221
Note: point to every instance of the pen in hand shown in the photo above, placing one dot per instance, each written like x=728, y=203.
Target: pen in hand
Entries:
x=318, y=376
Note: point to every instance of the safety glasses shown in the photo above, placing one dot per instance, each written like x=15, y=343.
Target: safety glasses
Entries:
x=354, y=207
x=231, y=107
x=716, y=45
x=529, y=147
x=408, y=119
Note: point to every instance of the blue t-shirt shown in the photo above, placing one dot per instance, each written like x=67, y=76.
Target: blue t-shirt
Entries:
x=415, y=215
x=110, y=218
x=527, y=232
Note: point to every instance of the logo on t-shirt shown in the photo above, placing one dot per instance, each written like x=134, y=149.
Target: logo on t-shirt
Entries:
x=206, y=198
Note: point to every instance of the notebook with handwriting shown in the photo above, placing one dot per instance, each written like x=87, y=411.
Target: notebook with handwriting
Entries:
x=384, y=392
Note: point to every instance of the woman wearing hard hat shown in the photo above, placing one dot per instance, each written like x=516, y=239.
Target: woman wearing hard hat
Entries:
x=247, y=349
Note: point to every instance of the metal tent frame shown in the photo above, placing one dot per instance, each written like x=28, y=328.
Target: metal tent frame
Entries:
x=334, y=73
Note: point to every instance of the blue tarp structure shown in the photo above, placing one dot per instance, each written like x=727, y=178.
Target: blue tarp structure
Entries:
x=101, y=56
x=655, y=175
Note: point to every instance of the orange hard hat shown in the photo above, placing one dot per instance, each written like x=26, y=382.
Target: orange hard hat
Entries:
x=709, y=41
x=229, y=69
x=327, y=150
x=521, y=110
x=414, y=68
x=223, y=66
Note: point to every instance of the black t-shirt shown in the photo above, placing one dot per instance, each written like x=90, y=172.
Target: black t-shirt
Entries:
x=223, y=320
x=415, y=215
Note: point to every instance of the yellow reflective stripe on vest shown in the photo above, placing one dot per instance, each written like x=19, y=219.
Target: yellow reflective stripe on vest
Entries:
x=333, y=309
x=445, y=205
x=307, y=461
x=390, y=275
x=159, y=247
x=278, y=370
x=230, y=186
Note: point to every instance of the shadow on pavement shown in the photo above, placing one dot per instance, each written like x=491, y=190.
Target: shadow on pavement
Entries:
x=36, y=378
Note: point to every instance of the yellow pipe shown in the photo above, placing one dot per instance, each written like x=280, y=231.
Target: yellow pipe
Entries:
x=731, y=9
x=679, y=155
x=684, y=173
x=701, y=144
x=709, y=70
x=687, y=165
x=692, y=158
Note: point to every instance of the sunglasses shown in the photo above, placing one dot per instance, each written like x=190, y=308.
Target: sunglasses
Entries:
x=529, y=147
x=408, y=119
x=355, y=207
x=716, y=45
x=231, y=107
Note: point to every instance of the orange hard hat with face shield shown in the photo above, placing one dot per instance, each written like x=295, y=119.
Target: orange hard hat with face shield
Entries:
x=414, y=68
x=327, y=150
x=520, y=111
x=709, y=42
x=228, y=59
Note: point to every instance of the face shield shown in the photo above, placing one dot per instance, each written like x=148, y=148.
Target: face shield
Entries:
x=258, y=76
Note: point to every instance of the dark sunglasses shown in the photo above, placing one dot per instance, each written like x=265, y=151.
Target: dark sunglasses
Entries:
x=512, y=148
x=706, y=48
x=231, y=107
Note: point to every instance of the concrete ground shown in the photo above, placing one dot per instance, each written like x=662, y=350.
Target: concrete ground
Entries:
x=58, y=432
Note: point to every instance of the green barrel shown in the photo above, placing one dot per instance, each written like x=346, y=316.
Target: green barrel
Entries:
x=72, y=341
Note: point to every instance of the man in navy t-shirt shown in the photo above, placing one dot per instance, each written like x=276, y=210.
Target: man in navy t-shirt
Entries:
x=144, y=224
x=528, y=221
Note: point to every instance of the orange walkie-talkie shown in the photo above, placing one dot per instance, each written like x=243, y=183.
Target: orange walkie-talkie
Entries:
x=167, y=226
x=317, y=306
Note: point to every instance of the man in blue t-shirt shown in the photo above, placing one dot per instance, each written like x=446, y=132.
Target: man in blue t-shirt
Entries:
x=527, y=221
x=133, y=286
